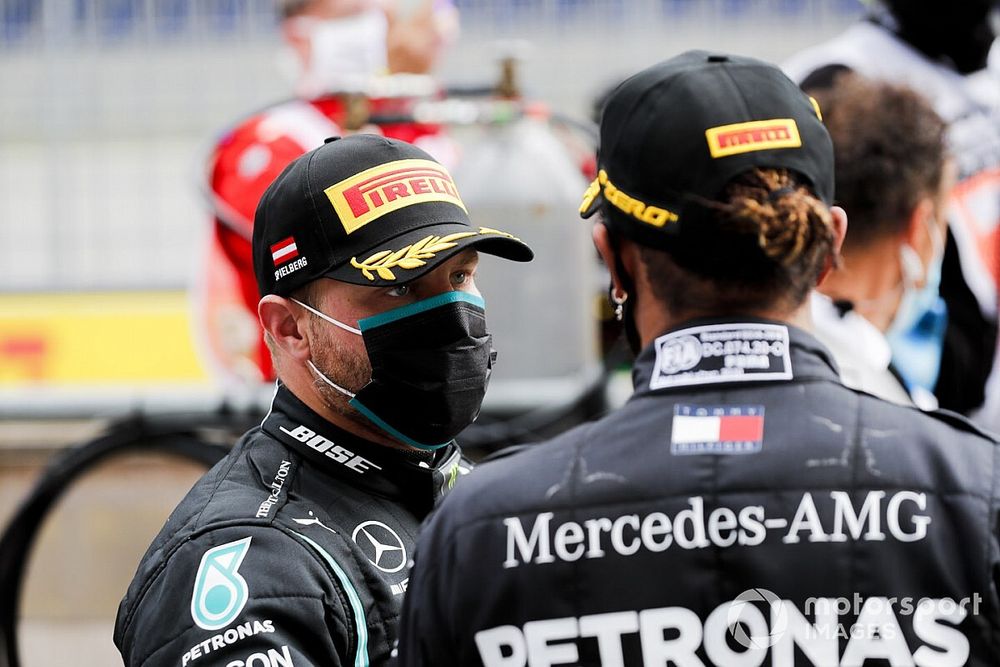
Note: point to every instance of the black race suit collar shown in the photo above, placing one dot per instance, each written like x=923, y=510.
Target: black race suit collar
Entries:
x=361, y=463
x=731, y=350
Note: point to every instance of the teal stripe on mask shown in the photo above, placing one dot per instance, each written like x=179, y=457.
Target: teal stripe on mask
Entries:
x=419, y=307
x=382, y=424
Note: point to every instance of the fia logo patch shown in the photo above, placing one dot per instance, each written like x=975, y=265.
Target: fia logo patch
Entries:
x=721, y=353
x=220, y=593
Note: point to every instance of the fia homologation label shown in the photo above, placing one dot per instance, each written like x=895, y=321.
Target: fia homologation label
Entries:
x=717, y=353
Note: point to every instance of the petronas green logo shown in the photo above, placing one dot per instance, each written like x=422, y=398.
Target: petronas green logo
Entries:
x=220, y=593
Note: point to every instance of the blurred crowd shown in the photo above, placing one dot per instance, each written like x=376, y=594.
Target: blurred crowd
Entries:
x=908, y=95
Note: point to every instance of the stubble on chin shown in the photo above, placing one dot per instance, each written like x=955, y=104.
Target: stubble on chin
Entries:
x=346, y=368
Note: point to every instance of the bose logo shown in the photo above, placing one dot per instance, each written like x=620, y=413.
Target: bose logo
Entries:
x=331, y=450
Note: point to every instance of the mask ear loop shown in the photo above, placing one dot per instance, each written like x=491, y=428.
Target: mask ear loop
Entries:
x=935, y=234
x=329, y=319
x=913, y=268
x=309, y=362
x=327, y=380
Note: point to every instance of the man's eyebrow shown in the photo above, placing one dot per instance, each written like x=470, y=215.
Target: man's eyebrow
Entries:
x=467, y=255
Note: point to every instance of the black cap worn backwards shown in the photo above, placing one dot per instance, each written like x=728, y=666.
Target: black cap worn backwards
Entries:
x=675, y=134
x=366, y=210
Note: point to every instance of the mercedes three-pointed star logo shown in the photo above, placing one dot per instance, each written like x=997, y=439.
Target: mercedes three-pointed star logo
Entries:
x=381, y=545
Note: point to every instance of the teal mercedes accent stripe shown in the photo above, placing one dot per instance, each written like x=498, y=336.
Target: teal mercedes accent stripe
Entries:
x=382, y=424
x=419, y=307
x=361, y=659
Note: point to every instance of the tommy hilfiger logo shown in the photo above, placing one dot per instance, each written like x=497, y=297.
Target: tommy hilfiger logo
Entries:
x=389, y=187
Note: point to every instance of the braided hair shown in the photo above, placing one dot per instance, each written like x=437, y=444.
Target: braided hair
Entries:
x=762, y=244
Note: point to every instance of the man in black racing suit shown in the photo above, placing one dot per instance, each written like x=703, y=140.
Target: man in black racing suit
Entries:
x=294, y=549
x=744, y=507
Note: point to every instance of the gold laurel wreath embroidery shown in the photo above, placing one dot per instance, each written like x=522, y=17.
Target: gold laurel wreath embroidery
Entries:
x=413, y=256
x=490, y=230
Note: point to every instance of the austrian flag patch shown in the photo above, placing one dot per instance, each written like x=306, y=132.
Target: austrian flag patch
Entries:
x=284, y=251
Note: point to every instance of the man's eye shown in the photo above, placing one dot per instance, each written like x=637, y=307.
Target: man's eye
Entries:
x=402, y=290
x=459, y=277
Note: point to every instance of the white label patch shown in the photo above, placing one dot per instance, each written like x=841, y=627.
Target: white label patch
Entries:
x=719, y=353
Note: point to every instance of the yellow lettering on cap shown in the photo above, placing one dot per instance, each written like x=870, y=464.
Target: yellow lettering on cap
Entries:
x=641, y=211
x=819, y=112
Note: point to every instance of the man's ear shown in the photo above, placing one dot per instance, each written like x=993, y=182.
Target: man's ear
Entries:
x=602, y=241
x=839, y=216
x=281, y=318
x=919, y=228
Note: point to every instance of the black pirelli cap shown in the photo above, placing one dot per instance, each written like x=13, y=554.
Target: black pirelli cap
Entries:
x=366, y=210
x=675, y=134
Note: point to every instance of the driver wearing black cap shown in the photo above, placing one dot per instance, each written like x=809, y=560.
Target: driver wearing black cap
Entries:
x=744, y=507
x=295, y=548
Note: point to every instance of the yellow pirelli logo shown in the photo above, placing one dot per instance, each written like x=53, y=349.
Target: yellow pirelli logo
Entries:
x=758, y=135
x=389, y=187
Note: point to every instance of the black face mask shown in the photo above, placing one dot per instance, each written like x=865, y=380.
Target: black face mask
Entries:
x=431, y=362
x=959, y=31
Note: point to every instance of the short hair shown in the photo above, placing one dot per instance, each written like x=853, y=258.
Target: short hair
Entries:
x=889, y=148
x=770, y=238
x=289, y=8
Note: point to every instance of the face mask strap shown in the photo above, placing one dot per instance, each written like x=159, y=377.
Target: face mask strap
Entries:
x=935, y=234
x=329, y=319
x=327, y=380
x=385, y=426
x=913, y=268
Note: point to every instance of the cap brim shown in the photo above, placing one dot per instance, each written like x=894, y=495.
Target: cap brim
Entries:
x=593, y=207
x=414, y=253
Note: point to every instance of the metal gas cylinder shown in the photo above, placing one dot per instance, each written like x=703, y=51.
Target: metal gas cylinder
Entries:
x=520, y=177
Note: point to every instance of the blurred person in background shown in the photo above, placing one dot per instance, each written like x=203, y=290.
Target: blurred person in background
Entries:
x=743, y=493
x=294, y=549
x=942, y=50
x=336, y=53
x=893, y=178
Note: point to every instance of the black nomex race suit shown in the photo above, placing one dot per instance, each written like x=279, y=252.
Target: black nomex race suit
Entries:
x=293, y=550
x=743, y=486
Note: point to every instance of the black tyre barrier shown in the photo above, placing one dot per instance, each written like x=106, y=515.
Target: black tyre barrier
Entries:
x=185, y=436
